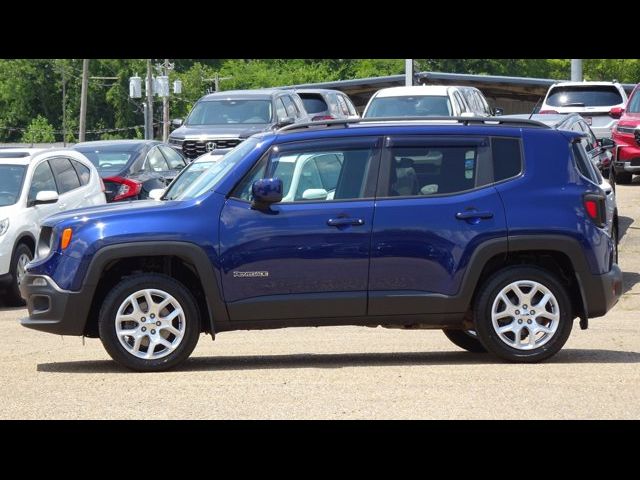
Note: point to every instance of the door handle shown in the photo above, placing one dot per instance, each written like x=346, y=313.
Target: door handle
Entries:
x=470, y=214
x=341, y=222
x=62, y=206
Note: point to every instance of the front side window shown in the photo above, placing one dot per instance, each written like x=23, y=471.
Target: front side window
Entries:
x=634, y=103
x=223, y=112
x=314, y=174
x=156, y=161
x=414, y=106
x=11, y=177
x=173, y=158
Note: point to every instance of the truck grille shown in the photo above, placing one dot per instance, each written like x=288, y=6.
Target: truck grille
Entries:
x=195, y=148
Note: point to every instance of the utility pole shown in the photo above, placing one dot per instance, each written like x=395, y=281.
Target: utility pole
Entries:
x=149, y=121
x=408, y=72
x=165, y=106
x=83, y=100
x=576, y=70
x=64, y=109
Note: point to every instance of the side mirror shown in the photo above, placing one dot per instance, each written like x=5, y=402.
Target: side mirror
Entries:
x=616, y=112
x=45, y=196
x=265, y=192
x=498, y=111
x=156, y=193
x=285, y=121
x=176, y=122
x=606, y=143
x=315, y=194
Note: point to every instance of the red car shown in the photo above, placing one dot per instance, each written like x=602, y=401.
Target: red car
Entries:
x=626, y=134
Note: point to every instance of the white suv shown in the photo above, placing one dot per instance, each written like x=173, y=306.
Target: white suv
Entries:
x=34, y=184
x=600, y=103
x=427, y=101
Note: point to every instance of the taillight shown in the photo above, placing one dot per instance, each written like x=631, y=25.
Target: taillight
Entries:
x=322, y=117
x=594, y=205
x=128, y=188
x=548, y=111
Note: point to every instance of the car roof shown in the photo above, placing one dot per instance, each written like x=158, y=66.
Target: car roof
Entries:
x=132, y=144
x=584, y=84
x=439, y=90
x=259, y=94
x=553, y=120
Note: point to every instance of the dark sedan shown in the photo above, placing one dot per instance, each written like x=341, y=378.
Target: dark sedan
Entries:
x=130, y=169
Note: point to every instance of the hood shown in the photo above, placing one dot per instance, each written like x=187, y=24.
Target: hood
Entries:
x=630, y=119
x=104, y=211
x=219, y=131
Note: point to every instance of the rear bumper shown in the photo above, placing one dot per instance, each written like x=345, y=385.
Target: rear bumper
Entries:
x=52, y=309
x=602, y=292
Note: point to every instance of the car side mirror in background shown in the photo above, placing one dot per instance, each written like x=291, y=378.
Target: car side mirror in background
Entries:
x=606, y=143
x=498, y=111
x=265, y=192
x=616, y=112
x=315, y=194
x=156, y=193
x=43, y=197
x=176, y=122
x=285, y=121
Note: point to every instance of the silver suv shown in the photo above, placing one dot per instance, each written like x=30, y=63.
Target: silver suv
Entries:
x=600, y=103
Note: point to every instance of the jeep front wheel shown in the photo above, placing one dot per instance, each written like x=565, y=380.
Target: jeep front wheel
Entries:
x=523, y=314
x=149, y=322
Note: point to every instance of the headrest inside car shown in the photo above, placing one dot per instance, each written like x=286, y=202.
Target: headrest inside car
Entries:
x=404, y=162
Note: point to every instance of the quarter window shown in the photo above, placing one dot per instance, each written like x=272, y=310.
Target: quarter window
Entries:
x=507, y=158
x=173, y=157
x=156, y=161
x=290, y=107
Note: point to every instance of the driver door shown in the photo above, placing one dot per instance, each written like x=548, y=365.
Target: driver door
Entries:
x=308, y=255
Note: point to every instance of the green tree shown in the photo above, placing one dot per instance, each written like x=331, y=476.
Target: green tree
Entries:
x=39, y=131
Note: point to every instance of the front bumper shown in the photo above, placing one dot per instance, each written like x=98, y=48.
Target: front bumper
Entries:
x=52, y=309
x=602, y=292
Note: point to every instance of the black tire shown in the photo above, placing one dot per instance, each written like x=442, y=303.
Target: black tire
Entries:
x=130, y=285
x=13, y=291
x=465, y=340
x=623, y=178
x=484, y=303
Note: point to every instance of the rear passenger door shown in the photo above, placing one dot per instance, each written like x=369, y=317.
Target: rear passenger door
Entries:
x=435, y=205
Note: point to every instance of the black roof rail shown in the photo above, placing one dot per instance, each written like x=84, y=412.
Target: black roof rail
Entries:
x=14, y=154
x=510, y=122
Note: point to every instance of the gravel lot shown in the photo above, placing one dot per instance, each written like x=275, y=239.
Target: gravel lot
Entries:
x=338, y=372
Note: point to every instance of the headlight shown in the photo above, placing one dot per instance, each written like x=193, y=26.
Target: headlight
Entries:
x=4, y=226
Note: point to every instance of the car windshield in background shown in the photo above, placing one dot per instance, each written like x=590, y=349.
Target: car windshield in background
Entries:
x=315, y=104
x=11, y=177
x=223, y=112
x=186, y=178
x=107, y=160
x=598, y=96
x=416, y=106
x=208, y=180
x=634, y=104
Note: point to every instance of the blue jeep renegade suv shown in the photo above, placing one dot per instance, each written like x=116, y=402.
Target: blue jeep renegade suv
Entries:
x=487, y=229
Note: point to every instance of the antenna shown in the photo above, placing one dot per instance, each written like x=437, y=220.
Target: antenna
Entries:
x=534, y=108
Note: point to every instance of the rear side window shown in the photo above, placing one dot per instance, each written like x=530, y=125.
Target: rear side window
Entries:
x=83, y=172
x=507, y=158
x=592, y=96
x=66, y=176
x=313, y=103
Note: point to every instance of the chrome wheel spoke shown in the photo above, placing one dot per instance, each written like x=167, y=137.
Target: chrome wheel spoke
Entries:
x=170, y=329
x=169, y=318
x=506, y=328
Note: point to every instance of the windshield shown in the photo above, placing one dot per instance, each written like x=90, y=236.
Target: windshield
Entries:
x=208, y=180
x=224, y=112
x=592, y=96
x=186, y=178
x=11, y=177
x=634, y=103
x=108, y=160
x=416, y=106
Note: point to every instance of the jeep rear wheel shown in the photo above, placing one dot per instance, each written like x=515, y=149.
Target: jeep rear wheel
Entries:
x=623, y=177
x=523, y=314
x=465, y=339
x=149, y=322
